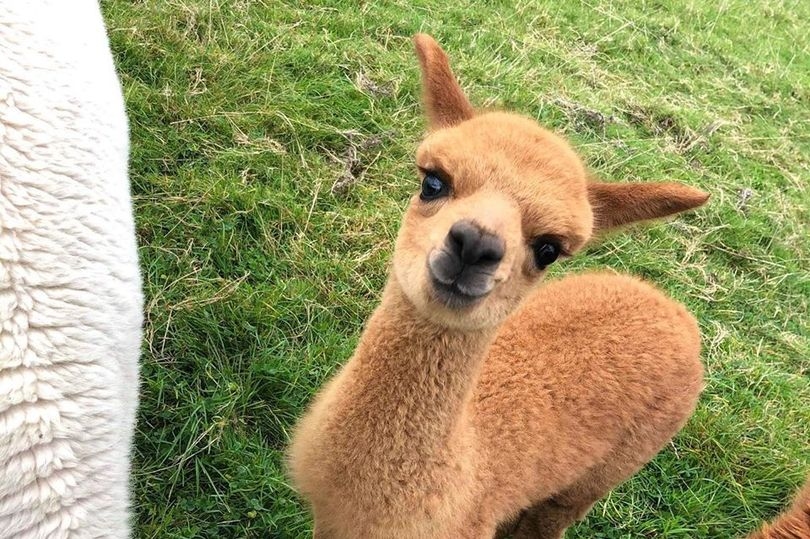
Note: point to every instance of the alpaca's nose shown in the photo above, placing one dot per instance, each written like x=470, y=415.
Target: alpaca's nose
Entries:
x=473, y=245
x=462, y=270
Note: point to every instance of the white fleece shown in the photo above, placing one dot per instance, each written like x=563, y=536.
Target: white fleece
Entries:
x=70, y=299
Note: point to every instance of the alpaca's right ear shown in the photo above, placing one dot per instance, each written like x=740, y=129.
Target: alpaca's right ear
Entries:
x=619, y=204
x=445, y=102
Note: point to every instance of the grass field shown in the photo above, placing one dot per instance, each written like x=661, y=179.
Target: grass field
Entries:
x=271, y=159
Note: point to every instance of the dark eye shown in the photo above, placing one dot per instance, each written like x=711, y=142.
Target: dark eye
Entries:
x=545, y=252
x=433, y=187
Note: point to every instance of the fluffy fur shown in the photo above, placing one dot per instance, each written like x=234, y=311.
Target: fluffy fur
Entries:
x=70, y=300
x=512, y=414
x=793, y=523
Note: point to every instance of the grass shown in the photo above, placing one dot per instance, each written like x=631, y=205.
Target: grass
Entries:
x=259, y=277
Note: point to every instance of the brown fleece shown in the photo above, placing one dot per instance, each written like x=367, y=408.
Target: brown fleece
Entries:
x=793, y=523
x=515, y=413
x=441, y=92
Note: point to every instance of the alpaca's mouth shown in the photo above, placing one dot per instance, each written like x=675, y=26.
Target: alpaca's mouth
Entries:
x=455, y=283
x=455, y=295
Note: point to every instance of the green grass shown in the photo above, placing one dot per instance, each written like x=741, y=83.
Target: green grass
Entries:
x=258, y=277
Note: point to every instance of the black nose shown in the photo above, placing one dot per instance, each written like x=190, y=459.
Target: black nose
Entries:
x=473, y=245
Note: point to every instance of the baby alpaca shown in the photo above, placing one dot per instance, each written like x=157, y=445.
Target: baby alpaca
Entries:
x=477, y=403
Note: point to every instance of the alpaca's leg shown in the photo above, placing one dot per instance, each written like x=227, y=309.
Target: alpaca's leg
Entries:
x=549, y=519
x=507, y=528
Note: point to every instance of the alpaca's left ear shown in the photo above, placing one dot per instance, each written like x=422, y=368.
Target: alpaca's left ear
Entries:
x=445, y=102
x=617, y=204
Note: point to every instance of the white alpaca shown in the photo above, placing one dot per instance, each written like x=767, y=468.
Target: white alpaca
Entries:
x=70, y=300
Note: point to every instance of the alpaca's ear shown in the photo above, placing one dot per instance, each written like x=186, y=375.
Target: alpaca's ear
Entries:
x=445, y=102
x=617, y=204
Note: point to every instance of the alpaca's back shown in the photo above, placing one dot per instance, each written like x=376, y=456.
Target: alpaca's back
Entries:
x=586, y=381
x=70, y=300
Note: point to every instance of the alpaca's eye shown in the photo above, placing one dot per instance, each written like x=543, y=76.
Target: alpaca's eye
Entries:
x=545, y=252
x=433, y=187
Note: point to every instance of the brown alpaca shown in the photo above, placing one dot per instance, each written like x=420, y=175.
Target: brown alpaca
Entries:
x=793, y=523
x=476, y=402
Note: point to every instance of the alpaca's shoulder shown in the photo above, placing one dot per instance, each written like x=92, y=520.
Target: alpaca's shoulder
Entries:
x=602, y=306
x=599, y=294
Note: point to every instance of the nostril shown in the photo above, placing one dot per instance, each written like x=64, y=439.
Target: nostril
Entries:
x=464, y=233
x=492, y=252
x=456, y=241
x=462, y=237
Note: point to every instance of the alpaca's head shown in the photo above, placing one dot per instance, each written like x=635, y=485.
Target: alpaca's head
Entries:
x=500, y=200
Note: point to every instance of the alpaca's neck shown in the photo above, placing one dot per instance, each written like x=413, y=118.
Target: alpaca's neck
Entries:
x=410, y=383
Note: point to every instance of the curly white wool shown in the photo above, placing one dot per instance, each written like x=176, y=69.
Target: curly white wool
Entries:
x=70, y=299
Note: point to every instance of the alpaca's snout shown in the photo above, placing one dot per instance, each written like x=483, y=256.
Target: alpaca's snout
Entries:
x=462, y=270
x=474, y=246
